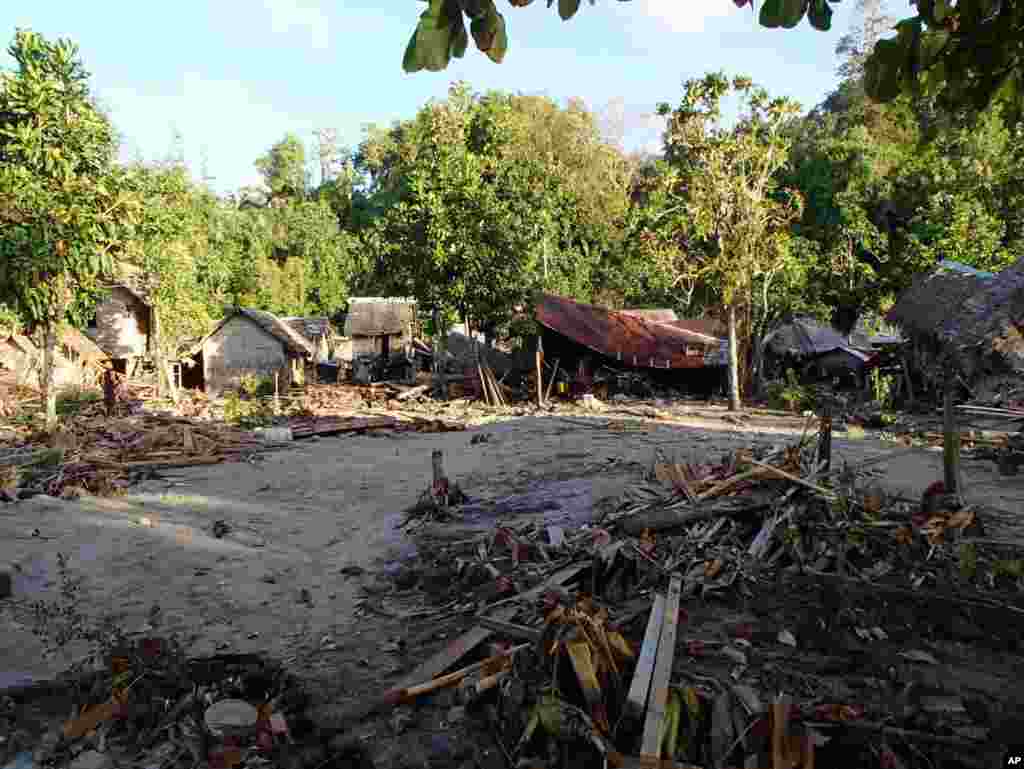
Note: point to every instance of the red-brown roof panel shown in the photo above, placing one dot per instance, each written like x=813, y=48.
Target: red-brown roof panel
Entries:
x=632, y=340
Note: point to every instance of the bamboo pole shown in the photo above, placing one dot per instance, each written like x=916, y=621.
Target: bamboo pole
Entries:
x=551, y=383
x=951, y=436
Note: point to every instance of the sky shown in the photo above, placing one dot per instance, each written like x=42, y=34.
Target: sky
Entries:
x=233, y=76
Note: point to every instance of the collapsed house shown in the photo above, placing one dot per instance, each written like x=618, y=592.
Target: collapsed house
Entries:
x=249, y=343
x=934, y=308
x=599, y=346
x=78, y=360
x=982, y=337
x=815, y=350
x=317, y=331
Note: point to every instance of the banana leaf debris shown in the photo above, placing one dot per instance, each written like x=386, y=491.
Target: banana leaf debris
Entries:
x=761, y=610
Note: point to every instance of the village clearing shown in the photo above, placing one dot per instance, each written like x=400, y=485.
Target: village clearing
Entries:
x=296, y=554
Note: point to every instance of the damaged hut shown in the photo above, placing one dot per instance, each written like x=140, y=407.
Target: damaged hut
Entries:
x=380, y=326
x=249, y=343
x=985, y=338
x=317, y=331
x=596, y=346
x=926, y=313
x=77, y=363
x=815, y=351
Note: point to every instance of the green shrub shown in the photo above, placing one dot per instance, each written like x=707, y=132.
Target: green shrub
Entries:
x=70, y=400
x=789, y=395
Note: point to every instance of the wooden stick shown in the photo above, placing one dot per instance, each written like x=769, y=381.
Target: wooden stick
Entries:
x=793, y=478
x=540, y=383
x=658, y=699
x=551, y=383
x=484, y=388
x=728, y=483
x=638, y=690
x=951, y=437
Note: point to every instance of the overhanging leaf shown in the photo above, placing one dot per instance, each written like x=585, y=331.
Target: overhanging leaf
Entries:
x=435, y=37
x=567, y=8
x=771, y=14
x=792, y=12
x=820, y=15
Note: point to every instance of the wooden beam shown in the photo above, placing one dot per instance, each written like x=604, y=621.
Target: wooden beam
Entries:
x=950, y=436
x=638, y=690
x=658, y=700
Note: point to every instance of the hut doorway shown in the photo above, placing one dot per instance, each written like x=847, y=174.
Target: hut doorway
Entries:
x=385, y=347
x=192, y=376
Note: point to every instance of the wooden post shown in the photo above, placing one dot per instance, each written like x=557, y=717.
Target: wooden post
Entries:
x=540, y=377
x=950, y=436
x=907, y=381
x=277, y=392
x=440, y=482
x=825, y=439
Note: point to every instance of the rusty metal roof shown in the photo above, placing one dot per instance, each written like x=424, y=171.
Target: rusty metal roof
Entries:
x=656, y=315
x=634, y=341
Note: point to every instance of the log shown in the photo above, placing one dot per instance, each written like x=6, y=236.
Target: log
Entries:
x=661, y=519
x=412, y=392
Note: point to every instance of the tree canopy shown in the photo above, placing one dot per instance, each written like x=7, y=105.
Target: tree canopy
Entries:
x=957, y=52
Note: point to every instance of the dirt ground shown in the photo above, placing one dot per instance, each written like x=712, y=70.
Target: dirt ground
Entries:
x=301, y=518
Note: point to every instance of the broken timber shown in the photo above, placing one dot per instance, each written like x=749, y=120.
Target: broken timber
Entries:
x=658, y=701
x=637, y=699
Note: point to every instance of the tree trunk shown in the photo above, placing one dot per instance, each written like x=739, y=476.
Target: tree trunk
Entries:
x=734, y=362
x=46, y=377
x=440, y=340
x=757, y=364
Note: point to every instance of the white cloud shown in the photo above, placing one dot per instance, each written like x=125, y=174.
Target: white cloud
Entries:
x=287, y=16
x=686, y=15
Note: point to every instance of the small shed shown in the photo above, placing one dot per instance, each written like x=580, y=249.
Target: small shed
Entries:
x=804, y=337
x=122, y=325
x=380, y=325
x=249, y=343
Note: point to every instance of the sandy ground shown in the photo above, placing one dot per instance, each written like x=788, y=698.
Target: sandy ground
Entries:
x=301, y=517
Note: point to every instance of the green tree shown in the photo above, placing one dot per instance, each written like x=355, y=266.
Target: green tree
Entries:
x=62, y=205
x=284, y=170
x=737, y=216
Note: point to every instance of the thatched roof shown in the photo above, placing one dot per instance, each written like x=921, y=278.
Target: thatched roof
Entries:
x=805, y=336
x=991, y=320
x=83, y=345
x=368, y=316
x=924, y=309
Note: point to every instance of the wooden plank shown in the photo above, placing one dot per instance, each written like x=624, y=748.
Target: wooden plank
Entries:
x=658, y=699
x=637, y=699
x=469, y=640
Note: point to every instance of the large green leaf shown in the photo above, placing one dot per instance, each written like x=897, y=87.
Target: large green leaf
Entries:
x=567, y=8
x=883, y=71
x=489, y=34
x=771, y=14
x=435, y=38
x=792, y=12
x=820, y=15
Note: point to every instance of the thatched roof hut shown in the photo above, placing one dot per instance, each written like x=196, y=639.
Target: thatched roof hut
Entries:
x=924, y=309
x=989, y=328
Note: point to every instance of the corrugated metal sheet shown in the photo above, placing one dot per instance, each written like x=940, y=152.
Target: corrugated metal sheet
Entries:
x=626, y=338
x=805, y=337
x=656, y=316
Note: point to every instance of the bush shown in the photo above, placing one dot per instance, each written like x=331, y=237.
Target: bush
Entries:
x=790, y=395
x=70, y=400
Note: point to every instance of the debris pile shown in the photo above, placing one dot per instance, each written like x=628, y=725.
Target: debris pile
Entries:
x=761, y=610
x=100, y=455
x=155, y=707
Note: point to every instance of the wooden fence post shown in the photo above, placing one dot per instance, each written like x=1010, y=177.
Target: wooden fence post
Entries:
x=950, y=435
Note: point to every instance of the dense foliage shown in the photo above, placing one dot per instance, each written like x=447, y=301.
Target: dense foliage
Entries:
x=478, y=201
